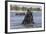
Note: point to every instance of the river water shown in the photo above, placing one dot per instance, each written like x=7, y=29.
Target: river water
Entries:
x=16, y=21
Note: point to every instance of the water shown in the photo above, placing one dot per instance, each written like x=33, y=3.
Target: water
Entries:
x=16, y=21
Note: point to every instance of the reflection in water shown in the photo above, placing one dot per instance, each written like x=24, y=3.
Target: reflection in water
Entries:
x=16, y=21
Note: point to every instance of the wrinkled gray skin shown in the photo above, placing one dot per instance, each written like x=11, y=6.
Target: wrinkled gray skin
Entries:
x=28, y=18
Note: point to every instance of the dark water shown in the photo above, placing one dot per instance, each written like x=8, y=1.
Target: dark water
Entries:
x=16, y=21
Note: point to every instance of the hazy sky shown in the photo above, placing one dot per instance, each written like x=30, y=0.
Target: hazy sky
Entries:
x=28, y=6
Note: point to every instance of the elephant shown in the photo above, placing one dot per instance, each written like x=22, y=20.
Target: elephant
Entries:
x=28, y=18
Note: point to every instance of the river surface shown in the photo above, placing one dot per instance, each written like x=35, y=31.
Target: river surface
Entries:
x=16, y=21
